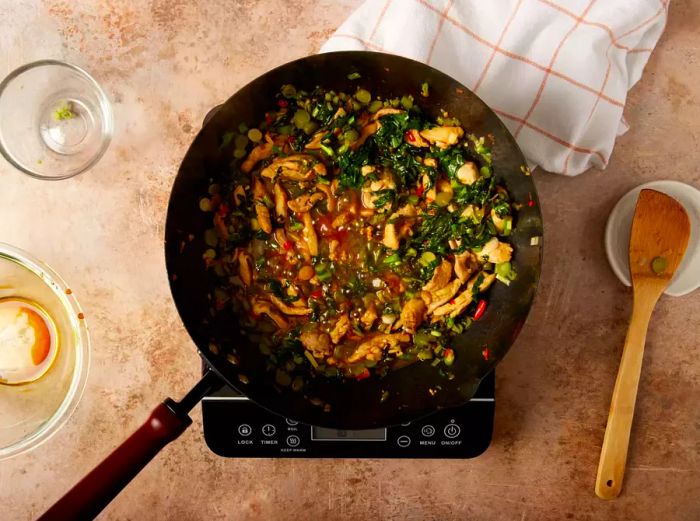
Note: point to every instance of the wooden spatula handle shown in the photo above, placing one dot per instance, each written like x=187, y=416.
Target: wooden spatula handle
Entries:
x=613, y=455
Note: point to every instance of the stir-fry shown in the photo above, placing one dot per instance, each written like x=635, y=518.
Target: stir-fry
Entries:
x=355, y=235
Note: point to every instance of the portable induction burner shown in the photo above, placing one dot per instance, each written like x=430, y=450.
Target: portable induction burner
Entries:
x=235, y=427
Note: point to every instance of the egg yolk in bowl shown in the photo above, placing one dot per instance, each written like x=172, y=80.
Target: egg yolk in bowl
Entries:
x=28, y=341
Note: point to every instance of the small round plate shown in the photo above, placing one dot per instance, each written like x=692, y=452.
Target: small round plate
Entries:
x=619, y=227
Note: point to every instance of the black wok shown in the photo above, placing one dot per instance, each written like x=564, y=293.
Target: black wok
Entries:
x=324, y=402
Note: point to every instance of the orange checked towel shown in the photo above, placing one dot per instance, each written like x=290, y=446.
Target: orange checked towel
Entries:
x=557, y=72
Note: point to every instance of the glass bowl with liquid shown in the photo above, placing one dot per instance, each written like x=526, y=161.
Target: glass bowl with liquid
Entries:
x=44, y=352
x=55, y=120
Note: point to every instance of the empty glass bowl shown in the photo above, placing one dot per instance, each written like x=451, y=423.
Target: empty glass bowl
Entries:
x=55, y=120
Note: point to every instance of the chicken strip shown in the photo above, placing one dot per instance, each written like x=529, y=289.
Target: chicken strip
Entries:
x=441, y=276
x=341, y=327
x=412, y=314
x=373, y=349
x=460, y=303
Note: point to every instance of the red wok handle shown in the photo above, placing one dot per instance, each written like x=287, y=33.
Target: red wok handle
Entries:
x=96, y=490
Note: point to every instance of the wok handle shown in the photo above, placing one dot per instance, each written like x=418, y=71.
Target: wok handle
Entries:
x=95, y=491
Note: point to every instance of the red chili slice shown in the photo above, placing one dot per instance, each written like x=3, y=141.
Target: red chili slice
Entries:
x=480, y=308
x=288, y=245
x=364, y=374
x=282, y=102
x=485, y=353
x=420, y=190
x=410, y=137
x=317, y=293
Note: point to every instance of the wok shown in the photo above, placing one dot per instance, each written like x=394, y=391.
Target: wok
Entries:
x=342, y=404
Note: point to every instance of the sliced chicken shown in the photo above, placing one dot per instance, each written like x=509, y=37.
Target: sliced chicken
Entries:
x=465, y=264
x=455, y=307
x=260, y=152
x=280, y=202
x=341, y=327
x=317, y=342
x=412, y=314
x=441, y=276
x=373, y=349
x=439, y=297
x=443, y=137
x=263, y=307
x=371, y=188
x=468, y=173
x=309, y=234
x=391, y=237
x=297, y=167
x=500, y=222
x=305, y=202
x=369, y=316
x=495, y=251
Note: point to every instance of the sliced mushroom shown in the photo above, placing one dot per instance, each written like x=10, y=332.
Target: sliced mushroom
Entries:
x=365, y=132
x=443, y=137
x=441, y=276
x=468, y=173
x=287, y=309
x=495, y=251
x=316, y=139
x=297, y=167
x=373, y=348
x=414, y=138
x=280, y=202
x=260, y=152
x=305, y=202
x=331, y=201
x=260, y=307
x=263, y=215
x=317, y=342
x=385, y=112
x=245, y=267
x=460, y=303
x=309, y=234
x=341, y=327
x=412, y=314
x=239, y=195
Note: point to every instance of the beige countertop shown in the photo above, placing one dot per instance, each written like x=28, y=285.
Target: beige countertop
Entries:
x=164, y=63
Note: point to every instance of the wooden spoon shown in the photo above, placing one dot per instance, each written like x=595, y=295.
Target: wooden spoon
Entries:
x=660, y=233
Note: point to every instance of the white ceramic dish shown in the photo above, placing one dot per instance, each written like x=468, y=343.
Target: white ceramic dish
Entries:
x=619, y=226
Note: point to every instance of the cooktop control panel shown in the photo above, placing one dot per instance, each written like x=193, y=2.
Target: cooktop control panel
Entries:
x=236, y=427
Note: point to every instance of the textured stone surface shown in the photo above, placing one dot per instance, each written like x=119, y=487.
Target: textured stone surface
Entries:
x=164, y=63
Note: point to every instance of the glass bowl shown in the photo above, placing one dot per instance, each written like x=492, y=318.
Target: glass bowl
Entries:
x=55, y=120
x=30, y=413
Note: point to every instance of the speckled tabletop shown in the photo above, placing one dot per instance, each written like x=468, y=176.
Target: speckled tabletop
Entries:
x=164, y=63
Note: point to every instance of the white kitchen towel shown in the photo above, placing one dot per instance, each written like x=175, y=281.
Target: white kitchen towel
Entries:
x=557, y=72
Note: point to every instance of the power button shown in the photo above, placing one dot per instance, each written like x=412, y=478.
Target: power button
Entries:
x=452, y=430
